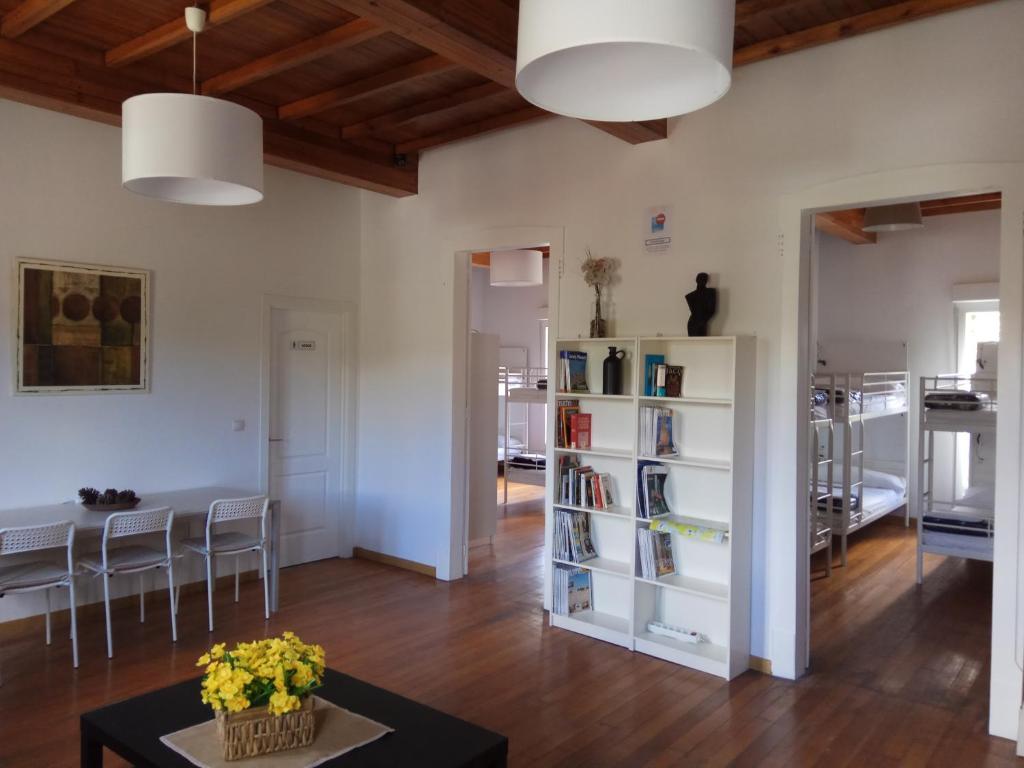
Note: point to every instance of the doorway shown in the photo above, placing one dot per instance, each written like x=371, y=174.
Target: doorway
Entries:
x=507, y=394
x=307, y=395
x=787, y=533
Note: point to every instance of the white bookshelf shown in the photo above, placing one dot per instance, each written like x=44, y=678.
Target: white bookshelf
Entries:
x=709, y=484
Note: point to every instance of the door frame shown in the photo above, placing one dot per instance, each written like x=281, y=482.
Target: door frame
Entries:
x=788, y=587
x=346, y=312
x=456, y=253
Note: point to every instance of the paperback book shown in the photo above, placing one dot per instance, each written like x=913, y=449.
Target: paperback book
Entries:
x=573, y=542
x=656, y=434
x=655, y=553
x=579, y=431
x=573, y=370
x=650, y=490
x=565, y=410
x=572, y=590
x=691, y=530
x=651, y=363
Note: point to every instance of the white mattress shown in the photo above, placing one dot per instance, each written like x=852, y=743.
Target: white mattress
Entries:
x=960, y=421
x=879, y=500
x=954, y=543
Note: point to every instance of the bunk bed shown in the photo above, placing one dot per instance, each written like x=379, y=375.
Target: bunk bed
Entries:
x=523, y=387
x=858, y=489
x=965, y=526
x=819, y=522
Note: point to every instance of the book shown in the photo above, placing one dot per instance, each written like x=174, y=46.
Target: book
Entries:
x=651, y=363
x=655, y=549
x=691, y=530
x=673, y=381
x=650, y=490
x=573, y=370
x=565, y=408
x=656, y=436
x=572, y=590
x=659, y=380
x=579, y=431
x=573, y=542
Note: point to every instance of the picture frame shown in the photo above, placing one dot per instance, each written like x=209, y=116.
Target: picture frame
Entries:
x=80, y=328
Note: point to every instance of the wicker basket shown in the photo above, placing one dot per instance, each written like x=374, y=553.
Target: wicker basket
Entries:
x=254, y=732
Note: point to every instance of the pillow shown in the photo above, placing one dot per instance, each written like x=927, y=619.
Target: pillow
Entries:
x=873, y=478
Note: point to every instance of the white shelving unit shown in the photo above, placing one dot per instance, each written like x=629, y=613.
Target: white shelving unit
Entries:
x=709, y=484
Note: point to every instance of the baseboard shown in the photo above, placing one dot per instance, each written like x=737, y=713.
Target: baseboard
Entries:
x=764, y=666
x=96, y=610
x=396, y=562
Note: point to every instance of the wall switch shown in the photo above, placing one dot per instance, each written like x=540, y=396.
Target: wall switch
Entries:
x=238, y=425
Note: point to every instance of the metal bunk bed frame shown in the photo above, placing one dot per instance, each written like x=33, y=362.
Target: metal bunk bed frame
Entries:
x=851, y=415
x=980, y=420
x=519, y=385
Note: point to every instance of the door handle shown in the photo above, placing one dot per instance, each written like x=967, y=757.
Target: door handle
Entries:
x=277, y=439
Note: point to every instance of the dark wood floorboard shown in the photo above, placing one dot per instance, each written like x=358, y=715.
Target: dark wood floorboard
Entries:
x=900, y=673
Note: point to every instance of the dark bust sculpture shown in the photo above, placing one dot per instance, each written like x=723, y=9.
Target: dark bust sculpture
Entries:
x=703, y=303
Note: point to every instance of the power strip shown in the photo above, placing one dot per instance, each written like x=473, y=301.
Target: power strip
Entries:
x=677, y=633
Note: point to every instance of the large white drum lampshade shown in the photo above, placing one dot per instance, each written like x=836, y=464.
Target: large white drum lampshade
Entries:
x=624, y=60
x=893, y=218
x=517, y=269
x=191, y=149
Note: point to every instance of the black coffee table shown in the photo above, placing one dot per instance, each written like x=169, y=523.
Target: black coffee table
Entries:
x=423, y=736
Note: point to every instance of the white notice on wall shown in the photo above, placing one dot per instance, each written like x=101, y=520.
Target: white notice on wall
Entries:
x=658, y=229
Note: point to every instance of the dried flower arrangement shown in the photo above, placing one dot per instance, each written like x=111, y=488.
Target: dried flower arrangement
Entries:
x=598, y=273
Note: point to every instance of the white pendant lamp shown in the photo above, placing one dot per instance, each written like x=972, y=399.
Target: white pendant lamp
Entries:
x=624, y=60
x=186, y=148
x=517, y=269
x=893, y=218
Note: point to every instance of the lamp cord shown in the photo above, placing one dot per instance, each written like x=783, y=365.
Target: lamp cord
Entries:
x=193, y=63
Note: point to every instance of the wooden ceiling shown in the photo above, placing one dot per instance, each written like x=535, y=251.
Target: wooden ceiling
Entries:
x=849, y=224
x=349, y=90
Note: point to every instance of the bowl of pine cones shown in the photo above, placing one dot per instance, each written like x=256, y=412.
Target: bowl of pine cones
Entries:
x=110, y=500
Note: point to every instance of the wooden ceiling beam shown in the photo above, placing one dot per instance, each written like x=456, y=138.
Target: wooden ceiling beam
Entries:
x=368, y=86
x=988, y=201
x=75, y=87
x=848, y=225
x=748, y=9
x=407, y=20
x=420, y=109
x=507, y=120
x=634, y=133
x=339, y=38
x=889, y=16
x=22, y=18
x=174, y=31
x=433, y=33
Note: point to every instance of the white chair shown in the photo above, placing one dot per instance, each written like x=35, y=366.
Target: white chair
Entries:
x=136, y=558
x=32, y=576
x=233, y=543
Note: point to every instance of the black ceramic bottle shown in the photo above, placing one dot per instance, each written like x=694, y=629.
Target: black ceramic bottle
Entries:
x=612, y=381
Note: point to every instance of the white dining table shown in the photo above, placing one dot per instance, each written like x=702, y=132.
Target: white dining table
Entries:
x=188, y=504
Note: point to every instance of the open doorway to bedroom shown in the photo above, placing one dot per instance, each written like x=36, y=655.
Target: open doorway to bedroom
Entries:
x=508, y=352
x=903, y=358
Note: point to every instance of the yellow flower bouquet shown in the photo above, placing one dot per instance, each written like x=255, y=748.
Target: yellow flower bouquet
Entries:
x=261, y=693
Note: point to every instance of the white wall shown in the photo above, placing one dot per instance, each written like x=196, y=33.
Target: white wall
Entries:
x=514, y=315
x=943, y=90
x=901, y=289
x=60, y=198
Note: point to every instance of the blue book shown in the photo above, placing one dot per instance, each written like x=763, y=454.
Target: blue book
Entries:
x=577, y=368
x=651, y=363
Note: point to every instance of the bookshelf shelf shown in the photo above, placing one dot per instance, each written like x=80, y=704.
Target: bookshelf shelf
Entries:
x=726, y=401
x=691, y=461
x=693, y=586
x=601, y=565
x=716, y=420
x=593, y=396
x=601, y=626
x=621, y=513
x=608, y=453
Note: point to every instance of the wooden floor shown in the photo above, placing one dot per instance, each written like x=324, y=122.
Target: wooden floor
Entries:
x=900, y=673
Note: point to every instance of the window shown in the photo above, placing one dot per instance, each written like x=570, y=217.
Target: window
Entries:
x=977, y=327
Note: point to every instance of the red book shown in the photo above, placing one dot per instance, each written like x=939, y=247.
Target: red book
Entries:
x=579, y=431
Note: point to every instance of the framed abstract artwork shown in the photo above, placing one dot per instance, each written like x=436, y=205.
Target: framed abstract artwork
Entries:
x=82, y=328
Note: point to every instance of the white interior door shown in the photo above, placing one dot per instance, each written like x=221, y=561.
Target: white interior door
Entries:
x=483, y=435
x=305, y=431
